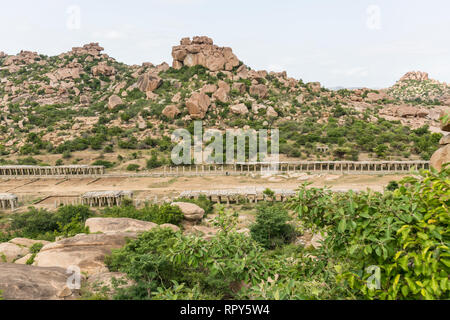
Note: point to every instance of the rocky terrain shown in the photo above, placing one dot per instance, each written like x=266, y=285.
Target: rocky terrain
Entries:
x=85, y=100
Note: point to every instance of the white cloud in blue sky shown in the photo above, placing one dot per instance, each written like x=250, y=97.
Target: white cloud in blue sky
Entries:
x=334, y=42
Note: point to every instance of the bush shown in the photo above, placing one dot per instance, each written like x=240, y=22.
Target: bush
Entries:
x=271, y=228
x=153, y=213
x=168, y=265
x=44, y=225
x=404, y=234
x=133, y=167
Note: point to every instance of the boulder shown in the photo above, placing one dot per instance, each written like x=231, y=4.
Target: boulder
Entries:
x=198, y=105
x=149, y=82
x=240, y=87
x=23, y=282
x=113, y=225
x=445, y=140
x=239, y=109
x=9, y=252
x=208, y=88
x=103, y=69
x=221, y=95
x=440, y=157
x=271, y=112
x=259, y=90
x=85, y=251
x=191, y=211
x=202, y=51
x=445, y=126
x=171, y=111
x=114, y=101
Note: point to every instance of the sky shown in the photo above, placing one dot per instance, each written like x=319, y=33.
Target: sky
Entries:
x=348, y=43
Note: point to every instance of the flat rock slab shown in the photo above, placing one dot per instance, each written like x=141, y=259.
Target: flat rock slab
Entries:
x=22, y=282
x=87, y=252
x=113, y=225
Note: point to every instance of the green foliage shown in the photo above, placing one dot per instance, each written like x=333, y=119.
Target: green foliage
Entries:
x=161, y=261
x=133, y=167
x=44, y=225
x=271, y=228
x=106, y=164
x=405, y=233
x=159, y=214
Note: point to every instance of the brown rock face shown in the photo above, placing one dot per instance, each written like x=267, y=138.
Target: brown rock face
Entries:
x=103, y=69
x=239, y=109
x=85, y=251
x=445, y=121
x=149, y=82
x=192, y=212
x=198, y=105
x=114, y=101
x=112, y=225
x=202, y=51
x=415, y=75
x=259, y=90
x=171, y=111
x=23, y=282
x=440, y=157
x=10, y=252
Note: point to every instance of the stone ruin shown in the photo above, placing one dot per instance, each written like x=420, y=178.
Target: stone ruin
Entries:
x=202, y=51
x=8, y=200
x=105, y=198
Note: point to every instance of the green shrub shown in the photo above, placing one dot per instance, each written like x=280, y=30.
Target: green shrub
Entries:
x=271, y=228
x=153, y=213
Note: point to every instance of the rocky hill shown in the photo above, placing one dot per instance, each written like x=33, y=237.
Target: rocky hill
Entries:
x=85, y=100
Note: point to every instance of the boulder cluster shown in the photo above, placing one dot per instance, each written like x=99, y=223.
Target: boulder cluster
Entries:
x=415, y=75
x=202, y=51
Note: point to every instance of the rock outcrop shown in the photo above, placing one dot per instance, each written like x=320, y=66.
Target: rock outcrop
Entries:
x=114, y=101
x=23, y=282
x=149, y=82
x=171, y=111
x=202, y=51
x=114, y=225
x=9, y=252
x=85, y=251
x=442, y=156
x=415, y=75
x=197, y=105
x=191, y=212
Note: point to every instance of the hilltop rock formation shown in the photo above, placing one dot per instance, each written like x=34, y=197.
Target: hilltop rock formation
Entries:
x=202, y=51
x=415, y=75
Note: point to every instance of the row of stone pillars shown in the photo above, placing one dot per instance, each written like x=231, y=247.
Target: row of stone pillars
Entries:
x=285, y=167
x=51, y=171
